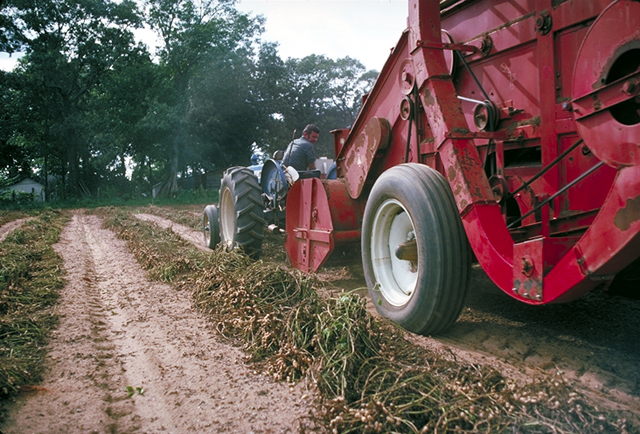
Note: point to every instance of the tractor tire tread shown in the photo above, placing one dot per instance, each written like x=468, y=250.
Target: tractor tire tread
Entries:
x=249, y=223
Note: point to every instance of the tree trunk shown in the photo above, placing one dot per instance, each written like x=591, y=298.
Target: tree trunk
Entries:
x=72, y=180
x=170, y=185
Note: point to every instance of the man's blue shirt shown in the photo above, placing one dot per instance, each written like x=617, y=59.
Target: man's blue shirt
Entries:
x=300, y=154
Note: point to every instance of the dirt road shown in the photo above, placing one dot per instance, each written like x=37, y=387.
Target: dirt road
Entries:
x=133, y=356
x=593, y=342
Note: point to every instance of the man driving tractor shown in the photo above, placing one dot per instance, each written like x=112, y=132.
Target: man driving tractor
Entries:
x=300, y=154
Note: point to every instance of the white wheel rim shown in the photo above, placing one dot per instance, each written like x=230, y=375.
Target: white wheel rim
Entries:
x=207, y=230
x=396, y=279
x=227, y=218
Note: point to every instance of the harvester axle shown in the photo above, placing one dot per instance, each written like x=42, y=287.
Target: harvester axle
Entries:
x=407, y=251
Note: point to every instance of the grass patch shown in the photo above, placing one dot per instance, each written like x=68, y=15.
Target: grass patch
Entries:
x=370, y=378
x=196, y=198
x=30, y=281
x=186, y=215
x=9, y=215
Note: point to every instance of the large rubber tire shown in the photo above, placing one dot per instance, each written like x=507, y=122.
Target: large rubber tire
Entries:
x=414, y=202
x=241, y=220
x=211, y=226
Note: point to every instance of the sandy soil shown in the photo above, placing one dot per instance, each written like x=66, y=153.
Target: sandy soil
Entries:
x=134, y=356
x=592, y=342
x=119, y=330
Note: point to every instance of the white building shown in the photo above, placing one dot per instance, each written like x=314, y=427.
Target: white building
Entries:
x=28, y=185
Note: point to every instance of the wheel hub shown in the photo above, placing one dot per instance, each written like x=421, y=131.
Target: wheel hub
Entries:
x=408, y=251
x=395, y=252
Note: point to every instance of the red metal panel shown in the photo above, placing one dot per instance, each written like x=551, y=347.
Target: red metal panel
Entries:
x=592, y=192
x=612, y=241
x=595, y=91
x=505, y=78
x=532, y=262
x=567, y=44
x=546, y=102
x=339, y=138
x=309, y=226
x=359, y=157
x=498, y=16
x=490, y=241
x=320, y=216
x=528, y=269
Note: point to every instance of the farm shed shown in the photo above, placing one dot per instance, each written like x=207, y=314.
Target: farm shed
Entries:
x=28, y=185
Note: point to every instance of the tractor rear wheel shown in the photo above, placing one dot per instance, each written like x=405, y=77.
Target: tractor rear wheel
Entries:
x=241, y=220
x=211, y=226
x=416, y=257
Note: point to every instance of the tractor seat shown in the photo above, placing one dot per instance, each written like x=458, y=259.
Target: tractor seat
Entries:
x=305, y=174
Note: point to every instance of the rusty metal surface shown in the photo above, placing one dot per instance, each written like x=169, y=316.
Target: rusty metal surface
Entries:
x=309, y=225
x=320, y=216
x=554, y=74
x=528, y=272
x=611, y=79
x=359, y=157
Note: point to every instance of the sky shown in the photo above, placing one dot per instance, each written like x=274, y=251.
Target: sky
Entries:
x=365, y=30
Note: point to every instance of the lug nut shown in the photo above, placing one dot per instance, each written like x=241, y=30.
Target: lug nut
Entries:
x=629, y=87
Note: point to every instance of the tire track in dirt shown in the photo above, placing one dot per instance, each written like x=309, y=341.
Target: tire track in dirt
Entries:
x=119, y=331
x=7, y=228
x=193, y=236
x=592, y=342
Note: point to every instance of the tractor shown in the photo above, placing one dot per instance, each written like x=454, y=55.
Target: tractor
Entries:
x=502, y=132
x=252, y=198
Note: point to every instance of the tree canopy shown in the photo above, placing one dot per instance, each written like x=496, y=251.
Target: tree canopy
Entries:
x=91, y=109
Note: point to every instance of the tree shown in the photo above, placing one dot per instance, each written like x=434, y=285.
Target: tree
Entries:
x=319, y=90
x=114, y=110
x=71, y=47
x=224, y=115
x=199, y=37
x=86, y=99
x=10, y=36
